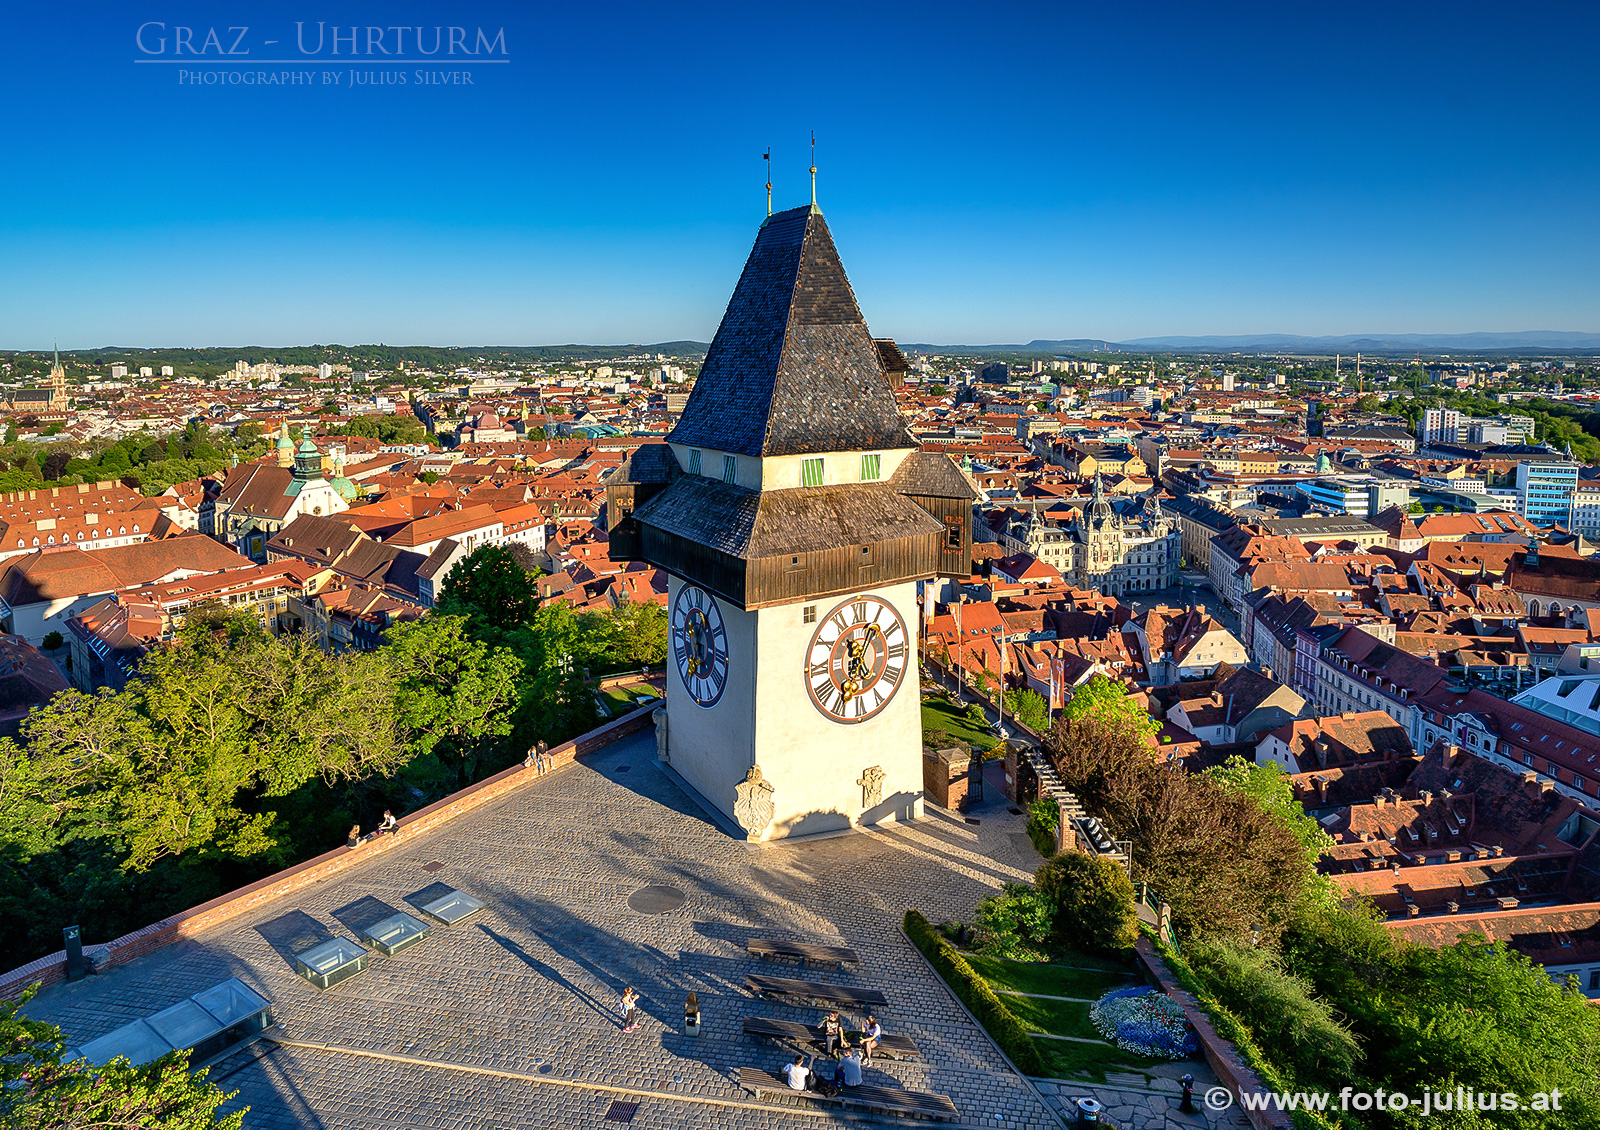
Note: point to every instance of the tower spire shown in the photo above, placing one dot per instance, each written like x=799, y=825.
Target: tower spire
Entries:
x=813, y=168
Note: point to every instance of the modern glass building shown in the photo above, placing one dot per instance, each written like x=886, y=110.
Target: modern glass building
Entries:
x=1544, y=491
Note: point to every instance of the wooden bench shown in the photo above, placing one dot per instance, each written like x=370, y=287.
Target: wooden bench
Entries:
x=882, y=1100
x=815, y=992
x=802, y=951
x=810, y=1035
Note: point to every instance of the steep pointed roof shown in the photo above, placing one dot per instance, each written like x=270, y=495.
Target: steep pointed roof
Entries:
x=792, y=369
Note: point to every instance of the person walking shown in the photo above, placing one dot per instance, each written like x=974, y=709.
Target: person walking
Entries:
x=627, y=1006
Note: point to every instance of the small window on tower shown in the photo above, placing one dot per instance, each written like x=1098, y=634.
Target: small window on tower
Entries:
x=694, y=461
x=811, y=472
x=730, y=469
x=871, y=466
x=808, y=614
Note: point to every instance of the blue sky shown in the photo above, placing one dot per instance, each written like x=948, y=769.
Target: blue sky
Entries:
x=992, y=173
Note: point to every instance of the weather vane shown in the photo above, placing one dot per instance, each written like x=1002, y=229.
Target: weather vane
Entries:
x=813, y=168
x=767, y=157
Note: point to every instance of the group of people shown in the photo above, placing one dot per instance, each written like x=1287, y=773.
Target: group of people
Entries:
x=389, y=825
x=802, y=1075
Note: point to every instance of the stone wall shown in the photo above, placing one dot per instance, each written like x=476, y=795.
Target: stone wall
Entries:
x=52, y=969
x=1232, y=1070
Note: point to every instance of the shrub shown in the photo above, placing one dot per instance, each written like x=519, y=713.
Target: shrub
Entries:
x=1276, y=1005
x=1044, y=818
x=1091, y=902
x=976, y=994
x=1230, y=1028
x=1014, y=923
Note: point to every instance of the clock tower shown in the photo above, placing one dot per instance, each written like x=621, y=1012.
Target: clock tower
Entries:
x=794, y=516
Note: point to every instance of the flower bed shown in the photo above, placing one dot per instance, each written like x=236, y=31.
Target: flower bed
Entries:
x=1144, y=1021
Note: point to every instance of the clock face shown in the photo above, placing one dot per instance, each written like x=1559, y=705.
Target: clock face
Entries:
x=700, y=644
x=856, y=659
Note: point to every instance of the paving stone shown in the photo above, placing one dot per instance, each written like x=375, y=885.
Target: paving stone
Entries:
x=529, y=985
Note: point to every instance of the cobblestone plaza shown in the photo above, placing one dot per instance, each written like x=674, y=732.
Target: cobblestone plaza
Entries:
x=508, y=1019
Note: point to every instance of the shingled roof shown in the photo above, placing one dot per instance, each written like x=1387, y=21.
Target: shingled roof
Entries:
x=751, y=524
x=792, y=369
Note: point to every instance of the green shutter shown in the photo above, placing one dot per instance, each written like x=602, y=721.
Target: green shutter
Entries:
x=811, y=472
x=870, y=467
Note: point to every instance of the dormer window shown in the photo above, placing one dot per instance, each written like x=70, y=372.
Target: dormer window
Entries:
x=811, y=472
x=871, y=467
x=694, y=461
x=730, y=469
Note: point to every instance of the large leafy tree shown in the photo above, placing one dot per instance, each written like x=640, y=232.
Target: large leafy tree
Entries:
x=1223, y=862
x=491, y=588
x=454, y=694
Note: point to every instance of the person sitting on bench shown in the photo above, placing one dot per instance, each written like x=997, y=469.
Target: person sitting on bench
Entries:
x=870, y=1035
x=798, y=1073
x=850, y=1069
x=832, y=1033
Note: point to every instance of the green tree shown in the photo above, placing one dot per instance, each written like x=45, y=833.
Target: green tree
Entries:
x=1028, y=707
x=1014, y=923
x=40, y=1092
x=489, y=586
x=1091, y=902
x=1108, y=706
x=454, y=694
x=1268, y=786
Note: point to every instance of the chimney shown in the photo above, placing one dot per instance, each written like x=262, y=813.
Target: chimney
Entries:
x=1321, y=784
x=1379, y=800
x=1453, y=907
x=1529, y=777
x=1425, y=796
x=1506, y=903
x=1412, y=910
x=1497, y=851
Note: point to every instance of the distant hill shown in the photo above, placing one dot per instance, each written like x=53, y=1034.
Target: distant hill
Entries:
x=1068, y=345
x=1519, y=341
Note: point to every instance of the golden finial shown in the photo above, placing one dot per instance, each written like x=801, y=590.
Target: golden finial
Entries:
x=813, y=168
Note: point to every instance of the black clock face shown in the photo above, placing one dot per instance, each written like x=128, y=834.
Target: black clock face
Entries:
x=700, y=644
x=856, y=659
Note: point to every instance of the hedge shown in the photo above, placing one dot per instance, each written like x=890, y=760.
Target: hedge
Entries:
x=975, y=993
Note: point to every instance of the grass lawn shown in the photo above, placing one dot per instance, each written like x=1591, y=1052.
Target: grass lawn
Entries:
x=1051, y=980
x=939, y=714
x=1059, y=1018
x=1066, y=1060
x=1072, y=975
x=620, y=700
